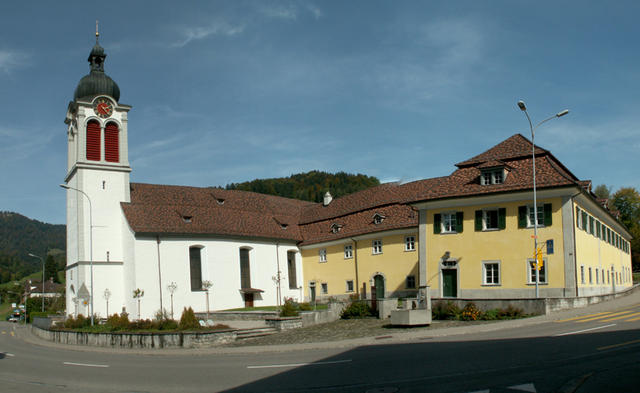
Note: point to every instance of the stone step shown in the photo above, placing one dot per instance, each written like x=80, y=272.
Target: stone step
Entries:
x=243, y=334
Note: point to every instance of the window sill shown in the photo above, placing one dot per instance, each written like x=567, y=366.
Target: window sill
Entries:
x=322, y=261
x=491, y=230
x=410, y=250
x=376, y=253
x=540, y=283
x=348, y=258
x=491, y=285
x=448, y=233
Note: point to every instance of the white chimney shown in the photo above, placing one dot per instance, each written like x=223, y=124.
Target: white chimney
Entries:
x=327, y=199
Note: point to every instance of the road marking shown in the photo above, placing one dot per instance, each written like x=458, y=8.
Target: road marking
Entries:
x=8, y=354
x=603, y=316
x=300, y=364
x=583, y=316
x=584, y=330
x=12, y=334
x=618, y=345
x=621, y=317
x=527, y=387
x=85, y=364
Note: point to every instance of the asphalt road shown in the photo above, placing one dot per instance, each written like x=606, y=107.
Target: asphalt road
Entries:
x=595, y=350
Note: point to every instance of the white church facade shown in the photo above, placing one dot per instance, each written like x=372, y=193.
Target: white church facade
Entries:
x=167, y=241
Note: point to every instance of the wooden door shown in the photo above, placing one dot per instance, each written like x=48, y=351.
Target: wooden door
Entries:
x=449, y=282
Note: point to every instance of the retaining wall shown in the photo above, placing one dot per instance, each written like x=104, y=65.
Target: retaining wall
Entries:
x=138, y=340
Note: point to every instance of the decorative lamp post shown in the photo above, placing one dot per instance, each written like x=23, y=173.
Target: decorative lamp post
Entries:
x=107, y=295
x=536, y=252
x=206, y=285
x=42, y=261
x=137, y=294
x=67, y=187
x=172, y=288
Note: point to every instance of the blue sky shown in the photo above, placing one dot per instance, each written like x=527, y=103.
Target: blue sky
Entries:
x=236, y=90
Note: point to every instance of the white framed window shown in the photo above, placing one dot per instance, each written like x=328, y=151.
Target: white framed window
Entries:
x=322, y=255
x=378, y=218
x=410, y=243
x=490, y=219
x=349, y=285
x=495, y=176
x=376, y=247
x=531, y=271
x=348, y=251
x=448, y=222
x=325, y=288
x=590, y=276
x=490, y=272
x=410, y=282
x=602, y=275
x=597, y=276
x=582, y=274
x=530, y=213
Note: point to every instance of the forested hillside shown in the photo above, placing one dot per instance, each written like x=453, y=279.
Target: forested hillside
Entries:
x=309, y=186
x=19, y=236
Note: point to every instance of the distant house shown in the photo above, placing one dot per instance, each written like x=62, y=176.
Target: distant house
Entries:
x=51, y=289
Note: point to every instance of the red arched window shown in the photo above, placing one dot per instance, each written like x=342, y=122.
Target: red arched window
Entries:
x=111, y=146
x=93, y=140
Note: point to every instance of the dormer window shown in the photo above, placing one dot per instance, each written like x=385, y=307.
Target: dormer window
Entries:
x=284, y=226
x=335, y=228
x=220, y=201
x=492, y=176
x=187, y=218
x=378, y=218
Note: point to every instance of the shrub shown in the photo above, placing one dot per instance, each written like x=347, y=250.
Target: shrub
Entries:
x=289, y=308
x=188, y=320
x=76, y=323
x=470, y=312
x=357, y=309
x=448, y=310
x=511, y=312
x=118, y=322
x=305, y=307
x=491, y=315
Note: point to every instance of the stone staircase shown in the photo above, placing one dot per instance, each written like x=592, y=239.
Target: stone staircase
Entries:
x=243, y=334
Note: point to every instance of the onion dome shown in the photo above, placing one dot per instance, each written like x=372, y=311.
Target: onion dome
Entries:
x=97, y=82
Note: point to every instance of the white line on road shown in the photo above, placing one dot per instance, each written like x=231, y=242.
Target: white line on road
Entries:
x=299, y=364
x=7, y=354
x=584, y=330
x=85, y=364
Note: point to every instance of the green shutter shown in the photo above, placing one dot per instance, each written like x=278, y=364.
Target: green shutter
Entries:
x=437, y=223
x=459, y=219
x=522, y=216
x=478, y=220
x=597, y=229
x=585, y=220
x=502, y=218
x=547, y=214
x=577, y=217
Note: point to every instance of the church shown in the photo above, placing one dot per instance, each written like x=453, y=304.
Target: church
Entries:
x=465, y=235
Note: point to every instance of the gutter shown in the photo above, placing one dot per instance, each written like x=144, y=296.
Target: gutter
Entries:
x=159, y=272
x=355, y=262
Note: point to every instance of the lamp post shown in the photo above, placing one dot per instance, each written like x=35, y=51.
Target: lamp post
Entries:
x=67, y=187
x=206, y=285
x=107, y=295
x=523, y=108
x=172, y=288
x=42, y=295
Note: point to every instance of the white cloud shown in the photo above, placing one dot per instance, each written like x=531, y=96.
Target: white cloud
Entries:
x=290, y=11
x=11, y=59
x=217, y=28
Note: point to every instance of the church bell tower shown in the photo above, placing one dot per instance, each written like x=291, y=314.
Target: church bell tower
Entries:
x=97, y=181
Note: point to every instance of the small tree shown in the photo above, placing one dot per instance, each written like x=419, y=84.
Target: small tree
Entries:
x=137, y=294
x=188, y=319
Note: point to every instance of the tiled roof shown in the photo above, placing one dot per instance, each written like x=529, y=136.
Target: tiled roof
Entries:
x=514, y=147
x=213, y=211
x=397, y=216
x=181, y=210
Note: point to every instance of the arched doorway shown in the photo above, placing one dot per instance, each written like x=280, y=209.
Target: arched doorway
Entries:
x=378, y=281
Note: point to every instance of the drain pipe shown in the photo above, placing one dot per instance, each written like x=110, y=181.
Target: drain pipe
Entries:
x=159, y=272
x=355, y=263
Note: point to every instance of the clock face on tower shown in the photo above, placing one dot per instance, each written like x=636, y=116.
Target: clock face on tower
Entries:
x=103, y=107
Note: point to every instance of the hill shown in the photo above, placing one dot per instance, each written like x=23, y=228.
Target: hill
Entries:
x=19, y=236
x=309, y=186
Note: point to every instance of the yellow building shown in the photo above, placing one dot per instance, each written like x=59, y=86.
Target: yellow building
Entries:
x=469, y=234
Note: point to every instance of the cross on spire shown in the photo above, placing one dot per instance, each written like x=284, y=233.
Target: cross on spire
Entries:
x=97, y=33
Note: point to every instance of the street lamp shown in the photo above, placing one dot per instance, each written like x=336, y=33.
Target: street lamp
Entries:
x=523, y=108
x=67, y=187
x=107, y=295
x=42, y=261
x=172, y=288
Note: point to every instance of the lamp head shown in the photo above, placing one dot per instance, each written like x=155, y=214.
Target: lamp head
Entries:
x=564, y=112
x=64, y=186
x=522, y=106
